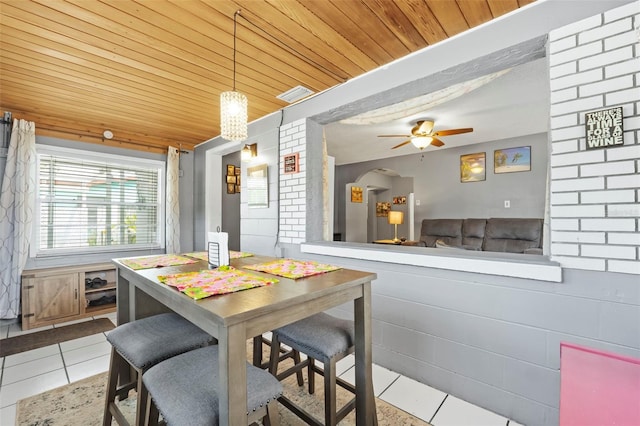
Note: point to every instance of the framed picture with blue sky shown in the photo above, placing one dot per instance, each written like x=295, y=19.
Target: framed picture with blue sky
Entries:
x=511, y=160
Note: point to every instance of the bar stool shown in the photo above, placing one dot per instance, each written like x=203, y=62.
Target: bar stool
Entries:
x=140, y=345
x=184, y=390
x=324, y=338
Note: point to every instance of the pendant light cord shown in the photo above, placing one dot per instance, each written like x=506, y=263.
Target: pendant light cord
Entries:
x=235, y=23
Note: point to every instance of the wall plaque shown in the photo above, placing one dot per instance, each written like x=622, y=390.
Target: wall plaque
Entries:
x=291, y=163
x=604, y=128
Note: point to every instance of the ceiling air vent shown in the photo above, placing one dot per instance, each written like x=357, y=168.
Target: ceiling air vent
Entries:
x=295, y=94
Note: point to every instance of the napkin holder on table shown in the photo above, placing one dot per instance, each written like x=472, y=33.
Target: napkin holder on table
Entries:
x=218, y=249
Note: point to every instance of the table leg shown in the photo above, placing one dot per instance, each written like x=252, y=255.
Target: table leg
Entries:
x=365, y=398
x=257, y=351
x=233, y=375
x=123, y=289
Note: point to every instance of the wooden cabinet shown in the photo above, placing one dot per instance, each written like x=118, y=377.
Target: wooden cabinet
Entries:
x=54, y=295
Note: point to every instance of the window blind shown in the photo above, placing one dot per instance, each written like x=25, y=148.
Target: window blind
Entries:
x=87, y=205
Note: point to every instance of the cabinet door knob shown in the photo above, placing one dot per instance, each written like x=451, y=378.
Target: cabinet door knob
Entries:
x=76, y=294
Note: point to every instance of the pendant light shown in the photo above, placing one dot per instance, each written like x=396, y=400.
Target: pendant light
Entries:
x=233, y=104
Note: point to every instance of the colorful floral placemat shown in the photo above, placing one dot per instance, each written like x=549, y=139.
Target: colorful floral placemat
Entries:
x=157, y=261
x=222, y=280
x=202, y=255
x=293, y=269
x=239, y=254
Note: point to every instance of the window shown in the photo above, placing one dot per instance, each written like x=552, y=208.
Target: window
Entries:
x=90, y=203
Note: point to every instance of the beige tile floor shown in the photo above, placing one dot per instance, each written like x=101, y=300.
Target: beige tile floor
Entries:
x=39, y=370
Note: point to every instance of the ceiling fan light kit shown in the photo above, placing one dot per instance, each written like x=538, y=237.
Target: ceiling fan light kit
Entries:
x=422, y=135
x=421, y=142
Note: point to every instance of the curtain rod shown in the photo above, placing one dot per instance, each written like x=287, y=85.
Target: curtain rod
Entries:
x=121, y=141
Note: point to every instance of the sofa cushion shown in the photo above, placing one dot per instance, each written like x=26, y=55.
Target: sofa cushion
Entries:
x=442, y=245
x=449, y=231
x=473, y=233
x=512, y=235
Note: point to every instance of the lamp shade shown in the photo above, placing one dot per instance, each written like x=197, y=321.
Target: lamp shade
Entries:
x=395, y=218
x=233, y=116
x=421, y=142
x=249, y=151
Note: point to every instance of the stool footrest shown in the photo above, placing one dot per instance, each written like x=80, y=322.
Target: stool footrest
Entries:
x=298, y=411
x=342, y=413
x=123, y=391
x=341, y=382
x=289, y=371
x=117, y=414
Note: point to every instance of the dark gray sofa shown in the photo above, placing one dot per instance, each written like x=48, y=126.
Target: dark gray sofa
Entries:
x=512, y=235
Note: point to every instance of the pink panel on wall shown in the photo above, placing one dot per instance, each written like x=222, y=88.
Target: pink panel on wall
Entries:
x=598, y=388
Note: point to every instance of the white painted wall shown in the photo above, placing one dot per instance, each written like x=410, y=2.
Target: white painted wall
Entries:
x=293, y=186
x=595, y=194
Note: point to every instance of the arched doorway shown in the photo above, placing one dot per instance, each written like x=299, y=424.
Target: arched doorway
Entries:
x=383, y=190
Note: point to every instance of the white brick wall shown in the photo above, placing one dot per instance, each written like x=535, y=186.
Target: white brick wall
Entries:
x=293, y=189
x=595, y=205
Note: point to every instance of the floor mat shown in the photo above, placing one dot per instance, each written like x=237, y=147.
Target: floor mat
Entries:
x=39, y=339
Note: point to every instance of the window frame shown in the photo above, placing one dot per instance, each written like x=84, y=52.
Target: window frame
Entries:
x=35, y=251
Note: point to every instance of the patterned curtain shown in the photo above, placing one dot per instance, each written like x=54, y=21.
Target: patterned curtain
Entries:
x=16, y=214
x=326, y=236
x=172, y=233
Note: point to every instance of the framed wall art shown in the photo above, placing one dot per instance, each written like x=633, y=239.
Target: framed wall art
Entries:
x=512, y=160
x=233, y=179
x=291, y=163
x=472, y=167
x=356, y=194
x=257, y=186
x=382, y=209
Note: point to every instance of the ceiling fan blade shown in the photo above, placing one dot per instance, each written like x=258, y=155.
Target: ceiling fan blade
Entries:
x=452, y=132
x=394, y=136
x=436, y=142
x=402, y=144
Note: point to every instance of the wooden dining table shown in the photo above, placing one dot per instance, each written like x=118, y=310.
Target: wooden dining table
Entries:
x=234, y=318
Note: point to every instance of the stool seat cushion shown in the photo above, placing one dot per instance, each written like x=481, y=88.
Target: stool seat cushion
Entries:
x=185, y=387
x=146, y=342
x=320, y=336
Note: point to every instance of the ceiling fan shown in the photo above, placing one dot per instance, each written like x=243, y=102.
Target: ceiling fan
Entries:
x=422, y=135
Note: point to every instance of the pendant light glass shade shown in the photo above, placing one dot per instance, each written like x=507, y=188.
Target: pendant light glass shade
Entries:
x=421, y=142
x=233, y=116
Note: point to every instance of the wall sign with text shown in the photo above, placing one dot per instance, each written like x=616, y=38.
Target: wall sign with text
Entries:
x=604, y=128
x=291, y=163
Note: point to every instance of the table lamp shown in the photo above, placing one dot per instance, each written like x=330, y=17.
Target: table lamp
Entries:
x=395, y=218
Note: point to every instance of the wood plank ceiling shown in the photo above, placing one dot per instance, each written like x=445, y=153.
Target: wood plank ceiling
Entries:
x=151, y=71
